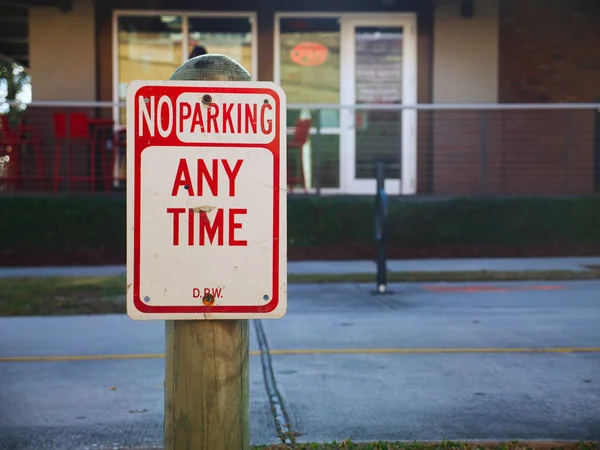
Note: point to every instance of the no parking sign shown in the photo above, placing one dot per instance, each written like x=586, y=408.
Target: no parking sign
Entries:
x=206, y=200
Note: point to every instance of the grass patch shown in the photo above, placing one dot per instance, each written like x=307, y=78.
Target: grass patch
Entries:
x=106, y=295
x=381, y=445
x=466, y=276
x=62, y=296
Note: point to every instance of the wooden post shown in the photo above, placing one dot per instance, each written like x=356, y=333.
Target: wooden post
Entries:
x=206, y=361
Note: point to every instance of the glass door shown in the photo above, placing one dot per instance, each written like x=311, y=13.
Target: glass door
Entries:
x=379, y=69
x=307, y=67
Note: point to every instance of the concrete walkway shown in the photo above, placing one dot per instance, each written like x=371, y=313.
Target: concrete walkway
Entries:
x=342, y=267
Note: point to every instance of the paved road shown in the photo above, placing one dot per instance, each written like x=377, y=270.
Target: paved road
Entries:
x=427, y=362
x=341, y=267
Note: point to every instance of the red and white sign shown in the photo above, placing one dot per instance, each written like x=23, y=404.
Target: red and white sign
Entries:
x=206, y=200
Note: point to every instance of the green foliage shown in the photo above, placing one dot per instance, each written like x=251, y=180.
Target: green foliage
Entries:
x=13, y=78
x=316, y=221
x=52, y=296
x=60, y=223
x=94, y=225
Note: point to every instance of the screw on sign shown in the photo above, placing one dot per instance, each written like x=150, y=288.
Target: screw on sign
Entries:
x=206, y=248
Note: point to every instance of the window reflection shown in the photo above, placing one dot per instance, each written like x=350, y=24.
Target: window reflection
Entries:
x=310, y=59
x=378, y=64
x=149, y=48
x=378, y=80
x=309, y=67
x=227, y=36
x=309, y=56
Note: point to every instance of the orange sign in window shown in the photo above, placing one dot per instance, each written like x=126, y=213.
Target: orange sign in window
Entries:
x=309, y=54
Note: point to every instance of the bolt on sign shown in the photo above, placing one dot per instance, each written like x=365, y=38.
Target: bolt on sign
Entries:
x=206, y=200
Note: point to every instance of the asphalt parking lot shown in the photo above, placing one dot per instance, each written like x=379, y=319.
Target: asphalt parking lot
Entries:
x=468, y=361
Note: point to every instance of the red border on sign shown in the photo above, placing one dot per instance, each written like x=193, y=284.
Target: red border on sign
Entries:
x=141, y=143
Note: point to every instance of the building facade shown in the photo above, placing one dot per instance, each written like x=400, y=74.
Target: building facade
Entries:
x=329, y=54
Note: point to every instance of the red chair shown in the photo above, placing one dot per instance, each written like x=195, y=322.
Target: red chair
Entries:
x=101, y=129
x=12, y=142
x=9, y=159
x=300, y=137
x=79, y=134
x=118, y=161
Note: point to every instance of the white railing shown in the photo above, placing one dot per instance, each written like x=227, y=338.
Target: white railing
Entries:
x=439, y=149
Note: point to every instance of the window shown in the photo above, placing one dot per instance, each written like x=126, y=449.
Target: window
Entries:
x=228, y=36
x=308, y=69
x=150, y=46
x=309, y=64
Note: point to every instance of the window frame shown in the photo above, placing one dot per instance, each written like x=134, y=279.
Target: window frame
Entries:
x=409, y=155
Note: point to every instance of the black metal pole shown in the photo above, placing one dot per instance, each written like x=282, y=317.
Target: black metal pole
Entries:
x=484, y=156
x=380, y=228
x=316, y=146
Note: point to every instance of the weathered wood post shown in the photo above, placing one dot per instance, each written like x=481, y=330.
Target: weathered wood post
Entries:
x=206, y=361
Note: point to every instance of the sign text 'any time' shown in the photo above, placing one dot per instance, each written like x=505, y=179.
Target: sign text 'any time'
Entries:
x=190, y=118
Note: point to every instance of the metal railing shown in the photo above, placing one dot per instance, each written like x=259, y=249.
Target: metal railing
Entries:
x=62, y=147
x=426, y=149
x=453, y=149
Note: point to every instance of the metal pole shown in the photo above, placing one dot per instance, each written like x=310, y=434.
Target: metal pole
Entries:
x=317, y=149
x=567, y=142
x=380, y=228
x=401, y=121
x=68, y=152
x=206, y=361
x=484, y=158
x=596, y=122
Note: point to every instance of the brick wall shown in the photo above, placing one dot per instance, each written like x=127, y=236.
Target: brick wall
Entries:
x=513, y=152
x=457, y=154
x=549, y=52
x=424, y=122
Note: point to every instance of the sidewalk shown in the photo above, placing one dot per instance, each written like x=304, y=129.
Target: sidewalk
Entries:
x=350, y=267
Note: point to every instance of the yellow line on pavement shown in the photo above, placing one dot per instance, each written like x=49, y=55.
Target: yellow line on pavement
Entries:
x=79, y=357
x=324, y=351
x=418, y=351
x=86, y=357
